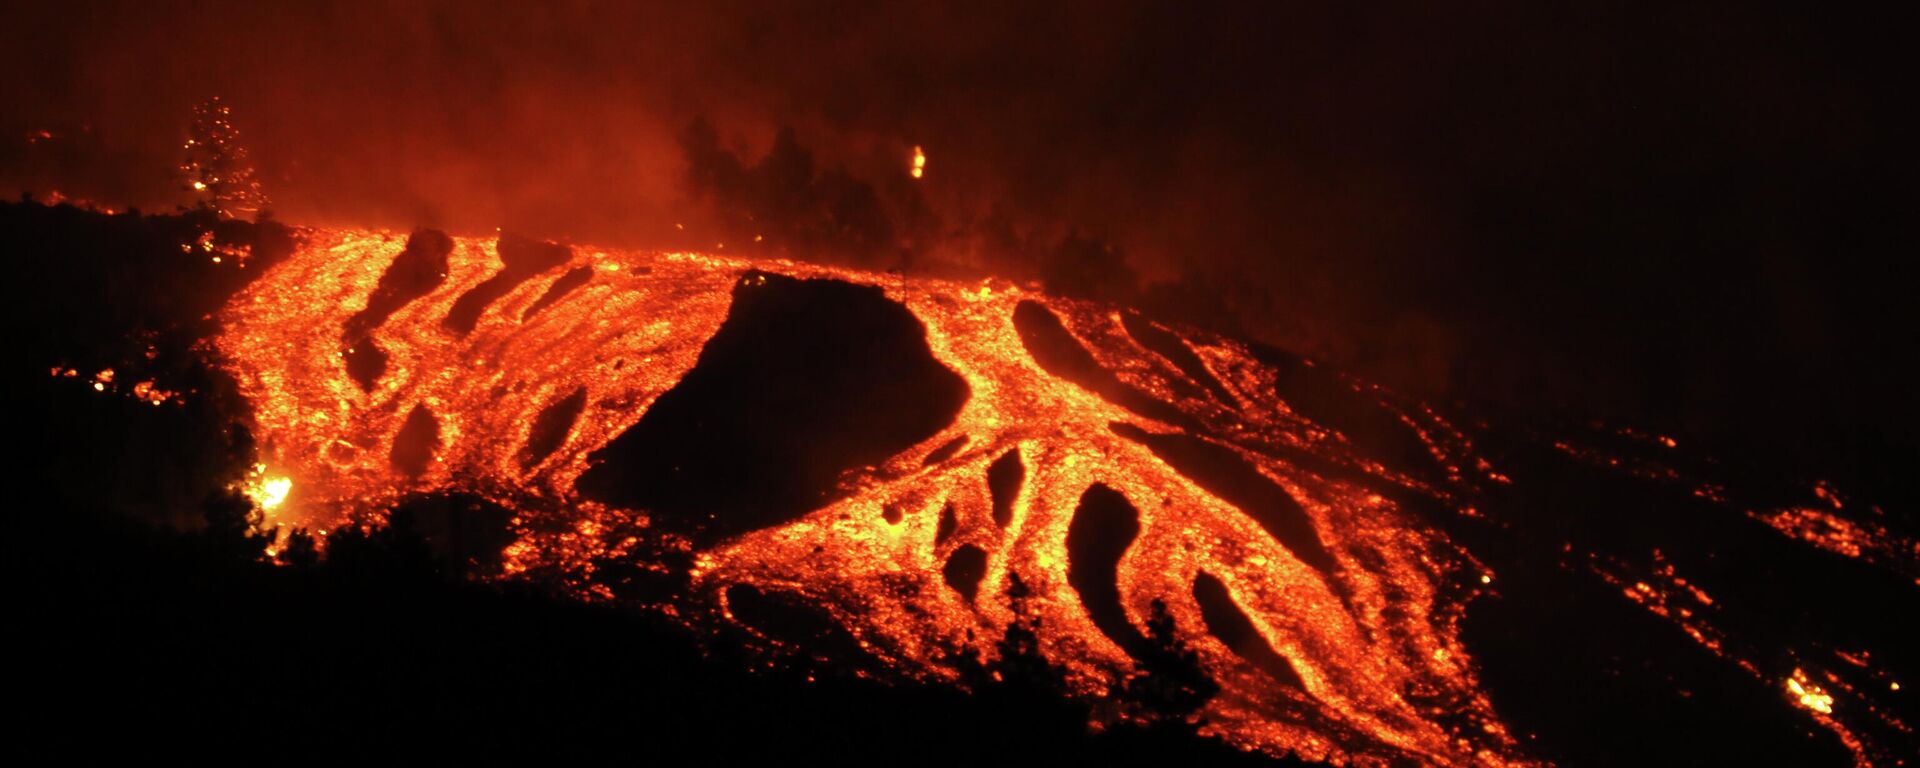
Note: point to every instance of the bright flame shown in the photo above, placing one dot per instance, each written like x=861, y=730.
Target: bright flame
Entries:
x=1809, y=695
x=274, y=492
x=267, y=492
x=919, y=168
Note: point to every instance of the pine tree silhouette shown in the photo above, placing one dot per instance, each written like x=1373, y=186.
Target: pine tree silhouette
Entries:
x=1169, y=681
x=216, y=168
x=234, y=527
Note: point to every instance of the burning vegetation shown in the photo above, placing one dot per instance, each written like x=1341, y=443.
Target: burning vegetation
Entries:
x=219, y=174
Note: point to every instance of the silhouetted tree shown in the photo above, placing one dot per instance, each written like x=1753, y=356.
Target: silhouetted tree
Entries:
x=392, y=552
x=216, y=168
x=1020, y=667
x=1087, y=267
x=302, y=550
x=786, y=201
x=234, y=527
x=711, y=169
x=1169, y=681
x=783, y=181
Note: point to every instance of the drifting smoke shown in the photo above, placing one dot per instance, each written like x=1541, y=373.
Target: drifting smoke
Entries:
x=1674, y=213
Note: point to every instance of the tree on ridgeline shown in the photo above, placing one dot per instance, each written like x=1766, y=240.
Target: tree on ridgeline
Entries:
x=1169, y=683
x=236, y=528
x=216, y=169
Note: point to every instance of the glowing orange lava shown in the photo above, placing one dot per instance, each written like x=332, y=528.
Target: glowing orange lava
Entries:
x=1365, y=624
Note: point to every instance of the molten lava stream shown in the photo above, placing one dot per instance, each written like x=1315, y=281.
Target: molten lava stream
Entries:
x=1136, y=496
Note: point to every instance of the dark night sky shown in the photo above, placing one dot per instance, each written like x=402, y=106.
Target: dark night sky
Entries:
x=1679, y=216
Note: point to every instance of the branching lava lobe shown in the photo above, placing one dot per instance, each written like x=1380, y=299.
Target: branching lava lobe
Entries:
x=901, y=467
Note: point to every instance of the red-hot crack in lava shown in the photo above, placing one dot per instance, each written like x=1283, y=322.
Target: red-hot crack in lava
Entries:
x=1243, y=510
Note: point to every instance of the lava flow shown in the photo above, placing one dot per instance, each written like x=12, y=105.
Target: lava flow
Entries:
x=932, y=462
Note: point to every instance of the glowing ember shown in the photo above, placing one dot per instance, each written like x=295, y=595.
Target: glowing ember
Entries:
x=268, y=492
x=1808, y=695
x=273, y=492
x=1859, y=539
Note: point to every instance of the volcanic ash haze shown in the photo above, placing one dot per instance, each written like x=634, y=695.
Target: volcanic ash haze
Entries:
x=1677, y=213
